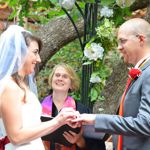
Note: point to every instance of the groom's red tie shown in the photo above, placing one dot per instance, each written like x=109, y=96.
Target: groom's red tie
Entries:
x=119, y=146
x=133, y=74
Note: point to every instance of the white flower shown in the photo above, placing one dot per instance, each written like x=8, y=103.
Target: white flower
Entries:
x=94, y=51
x=67, y=4
x=106, y=12
x=124, y=3
x=101, y=109
x=95, y=79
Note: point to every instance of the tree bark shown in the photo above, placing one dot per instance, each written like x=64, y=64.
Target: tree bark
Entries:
x=147, y=17
x=139, y=4
x=56, y=34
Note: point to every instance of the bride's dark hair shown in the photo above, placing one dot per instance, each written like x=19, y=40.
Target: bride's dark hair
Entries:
x=28, y=37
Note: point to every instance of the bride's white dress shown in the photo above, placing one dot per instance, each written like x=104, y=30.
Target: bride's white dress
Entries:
x=31, y=112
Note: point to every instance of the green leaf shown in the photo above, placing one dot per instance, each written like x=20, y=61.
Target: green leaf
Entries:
x=101, y=98
x=87, y=1
x=12, y=15
x=94, y=95
x=94, y=74
x=119, y=15
x=107, y=2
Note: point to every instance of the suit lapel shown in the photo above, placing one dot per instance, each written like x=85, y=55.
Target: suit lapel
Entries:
x=145, y=65
x=142, y=68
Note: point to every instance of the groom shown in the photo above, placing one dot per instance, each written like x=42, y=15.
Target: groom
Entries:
x=131, y=127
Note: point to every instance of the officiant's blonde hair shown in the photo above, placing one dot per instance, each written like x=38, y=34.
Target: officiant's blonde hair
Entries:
x=75, y=81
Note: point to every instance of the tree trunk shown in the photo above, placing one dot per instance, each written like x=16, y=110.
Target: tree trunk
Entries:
x=139, y=4
x=56, y=34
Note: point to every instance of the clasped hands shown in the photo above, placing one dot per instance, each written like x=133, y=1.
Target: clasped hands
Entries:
x=74, y=118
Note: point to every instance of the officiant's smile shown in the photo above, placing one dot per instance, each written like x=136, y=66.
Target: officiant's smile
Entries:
x=61, y=80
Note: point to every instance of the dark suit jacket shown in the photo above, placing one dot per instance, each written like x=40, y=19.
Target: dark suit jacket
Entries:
x=91, y=144
x=135, y=125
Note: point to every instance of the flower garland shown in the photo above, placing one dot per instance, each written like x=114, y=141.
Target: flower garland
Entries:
x=104, y=40
x=95, y=52
x=97, y=48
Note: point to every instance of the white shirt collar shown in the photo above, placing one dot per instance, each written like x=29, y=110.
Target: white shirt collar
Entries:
x=141, y=60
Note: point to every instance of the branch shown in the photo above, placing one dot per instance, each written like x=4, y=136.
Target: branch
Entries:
x=56, y=34
x=139, y=4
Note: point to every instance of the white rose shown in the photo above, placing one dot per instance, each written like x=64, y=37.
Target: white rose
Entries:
x=95, y=79
x=94, y=52
x=106, y=12
x=67, y=4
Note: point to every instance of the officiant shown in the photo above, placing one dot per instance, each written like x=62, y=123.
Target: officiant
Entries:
x=62, y=81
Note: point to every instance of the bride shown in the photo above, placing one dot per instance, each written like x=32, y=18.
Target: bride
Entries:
x=20, y=109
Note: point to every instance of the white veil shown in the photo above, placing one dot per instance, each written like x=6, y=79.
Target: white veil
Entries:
x=13, y=50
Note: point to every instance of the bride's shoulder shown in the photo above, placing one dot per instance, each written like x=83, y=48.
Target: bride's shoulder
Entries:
x=10, y=84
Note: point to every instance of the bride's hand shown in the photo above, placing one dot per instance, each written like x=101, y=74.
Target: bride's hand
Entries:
x=66, y=115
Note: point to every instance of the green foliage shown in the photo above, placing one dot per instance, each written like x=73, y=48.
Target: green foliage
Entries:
x=103, y=71
x=119, y=14
x=106, y=34
x=89, y=1
x=106, y=38
x=107, y=2
x=39, y=11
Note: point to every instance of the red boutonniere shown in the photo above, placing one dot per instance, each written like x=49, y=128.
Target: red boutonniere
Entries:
x=134, y=73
